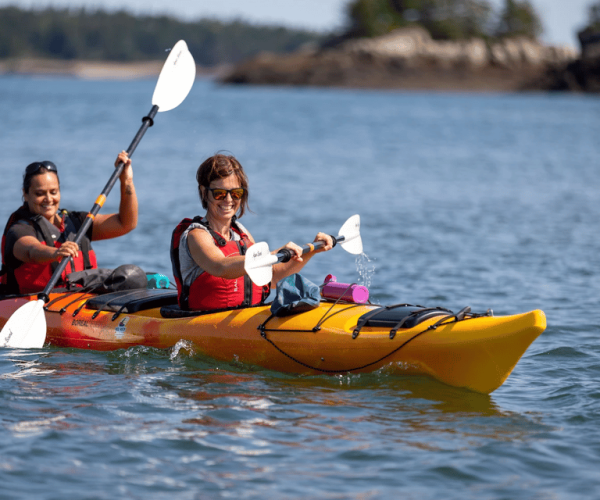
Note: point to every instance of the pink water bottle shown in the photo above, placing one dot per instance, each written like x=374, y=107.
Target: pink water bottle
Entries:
x=331, y=289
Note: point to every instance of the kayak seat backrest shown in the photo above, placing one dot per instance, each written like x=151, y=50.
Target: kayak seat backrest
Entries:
x=131, y=301
x=410, y=316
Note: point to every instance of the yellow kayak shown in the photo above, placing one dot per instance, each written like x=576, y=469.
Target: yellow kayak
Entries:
x=474, y=351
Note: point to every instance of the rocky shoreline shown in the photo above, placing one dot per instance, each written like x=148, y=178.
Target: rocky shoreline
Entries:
x=407, y=59
x=91, y=70
x=580, y=75
x=410, y=59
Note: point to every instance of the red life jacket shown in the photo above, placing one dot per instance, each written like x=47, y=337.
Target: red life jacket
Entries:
x=208, y=292
x=30, y=277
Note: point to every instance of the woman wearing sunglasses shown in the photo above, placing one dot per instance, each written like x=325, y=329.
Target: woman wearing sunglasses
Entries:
x=207, y=253
x=39, y=234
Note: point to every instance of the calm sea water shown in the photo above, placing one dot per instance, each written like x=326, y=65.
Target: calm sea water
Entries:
x=484, y=200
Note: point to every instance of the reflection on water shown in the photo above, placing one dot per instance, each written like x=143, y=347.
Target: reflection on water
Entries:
x=481, y=200
x=235, y=424
x=178, y=379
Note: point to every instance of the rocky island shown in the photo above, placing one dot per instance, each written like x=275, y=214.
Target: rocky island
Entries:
x=408, y=58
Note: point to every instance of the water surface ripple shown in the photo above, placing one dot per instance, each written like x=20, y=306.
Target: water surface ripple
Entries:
x=484, y=200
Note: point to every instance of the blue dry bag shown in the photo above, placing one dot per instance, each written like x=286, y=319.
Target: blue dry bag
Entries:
x=295, y=294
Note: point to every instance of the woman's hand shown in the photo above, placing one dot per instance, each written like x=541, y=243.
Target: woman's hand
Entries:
x=113, y=225
x=127, y=173
x=295, y=250
x=327, y=239
x=296, y=263
x=67, y=249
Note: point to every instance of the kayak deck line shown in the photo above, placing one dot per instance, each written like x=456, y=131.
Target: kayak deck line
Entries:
x=417, y=314
x=468, y=350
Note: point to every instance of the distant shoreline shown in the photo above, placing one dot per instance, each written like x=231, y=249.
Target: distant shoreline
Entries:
x=92, y=70
x=410, y=59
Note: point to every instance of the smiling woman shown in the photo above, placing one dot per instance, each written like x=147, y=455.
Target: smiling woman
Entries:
x=39, y=234
x=208, y=253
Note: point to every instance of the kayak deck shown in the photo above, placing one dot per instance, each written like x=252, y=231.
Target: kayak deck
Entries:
x=467, y=350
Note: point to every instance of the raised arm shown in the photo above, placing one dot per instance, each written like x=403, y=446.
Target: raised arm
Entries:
x=113, y=225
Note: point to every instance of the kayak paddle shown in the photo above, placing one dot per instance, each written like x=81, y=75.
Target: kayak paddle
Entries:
x=259, y=261
x=26, y=328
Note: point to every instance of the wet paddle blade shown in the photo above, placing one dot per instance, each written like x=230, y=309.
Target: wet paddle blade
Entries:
x=176, y=78
x=26, y=328
x=259, y=263
x=351, y=232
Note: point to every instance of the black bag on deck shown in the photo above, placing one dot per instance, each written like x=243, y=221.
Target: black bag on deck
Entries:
x=125, y=277
x=295, y=294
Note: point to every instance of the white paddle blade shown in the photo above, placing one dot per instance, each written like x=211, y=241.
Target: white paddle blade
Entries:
x=259, y=263
x=351, y=232
x=176, y=78
x=26, y=328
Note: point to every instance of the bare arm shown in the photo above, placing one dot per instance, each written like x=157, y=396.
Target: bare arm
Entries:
x=208, y=256
x=112, y=225
x=29, y=249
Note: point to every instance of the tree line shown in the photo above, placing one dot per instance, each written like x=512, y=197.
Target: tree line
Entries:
x=445, y=19
x=593, y=25
x=121, y=36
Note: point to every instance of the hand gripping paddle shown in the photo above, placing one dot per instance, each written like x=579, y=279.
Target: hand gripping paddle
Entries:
x=259, y=261
x=26, y=328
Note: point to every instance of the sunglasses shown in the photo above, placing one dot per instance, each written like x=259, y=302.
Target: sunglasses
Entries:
x=35, y=167
x=221, y=194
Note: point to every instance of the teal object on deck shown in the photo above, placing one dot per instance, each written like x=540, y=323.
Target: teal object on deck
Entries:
x=156, y=280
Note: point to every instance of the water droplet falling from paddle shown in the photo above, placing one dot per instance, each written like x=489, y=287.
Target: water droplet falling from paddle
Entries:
x=366, y=269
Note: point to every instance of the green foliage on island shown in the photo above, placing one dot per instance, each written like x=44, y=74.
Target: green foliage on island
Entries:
x=121, y=36
x=444, y=19
x=593, y=18
x=589, y=36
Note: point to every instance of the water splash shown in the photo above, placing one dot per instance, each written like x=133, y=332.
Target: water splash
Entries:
x=182, y=348
x=366, y=269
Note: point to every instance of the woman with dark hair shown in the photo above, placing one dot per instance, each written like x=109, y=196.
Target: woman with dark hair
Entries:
x=39, y=234
x=207, y=253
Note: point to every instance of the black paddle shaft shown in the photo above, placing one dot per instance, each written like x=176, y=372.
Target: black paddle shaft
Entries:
x=284, y=255
x=147, y=122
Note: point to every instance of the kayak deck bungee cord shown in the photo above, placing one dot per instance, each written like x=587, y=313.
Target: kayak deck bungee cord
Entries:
x=473, y=351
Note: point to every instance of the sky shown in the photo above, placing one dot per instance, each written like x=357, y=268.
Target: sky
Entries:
x=561, y=19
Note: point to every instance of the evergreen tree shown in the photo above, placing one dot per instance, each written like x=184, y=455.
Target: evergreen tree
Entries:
x=121, y=36
x=444, y=19
x=594, y=16
x=518, y=18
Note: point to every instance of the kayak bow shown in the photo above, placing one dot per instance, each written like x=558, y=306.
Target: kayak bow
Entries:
x=472, y=351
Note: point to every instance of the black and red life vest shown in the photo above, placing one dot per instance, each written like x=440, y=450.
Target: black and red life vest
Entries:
x=208, y=292
x=30, y=277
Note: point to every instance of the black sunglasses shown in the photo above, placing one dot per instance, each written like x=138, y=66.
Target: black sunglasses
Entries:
x=36, y=166
x=221, y=194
